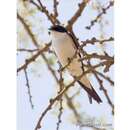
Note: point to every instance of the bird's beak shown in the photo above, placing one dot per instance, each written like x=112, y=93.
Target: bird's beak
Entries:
x=49, y=29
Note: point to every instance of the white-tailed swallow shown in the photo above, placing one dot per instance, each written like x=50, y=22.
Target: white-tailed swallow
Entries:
x=65, y=47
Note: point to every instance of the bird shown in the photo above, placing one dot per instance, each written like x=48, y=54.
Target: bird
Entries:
x=65, y=47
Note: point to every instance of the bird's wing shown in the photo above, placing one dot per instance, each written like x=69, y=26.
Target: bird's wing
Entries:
x=76, y=45
x=74, y=40
x=84, y=82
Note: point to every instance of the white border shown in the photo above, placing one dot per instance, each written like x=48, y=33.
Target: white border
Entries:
x=122, y=45
x=7, y=65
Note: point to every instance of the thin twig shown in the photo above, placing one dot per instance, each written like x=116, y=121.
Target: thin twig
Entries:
x=94, y=41
x=95, y=55
x=105, y=77
x=43, y=9
x=56, y=10
x=28, y=87
x=33, y=58
x=57, y=98
x=104, y=91
x=104, y=10
x=27, y=50
x=72, y=107
x=60, y=114
x=27, y=29
x=37, y=45
x=77, y=14
x=61, y=86
x=77, y=115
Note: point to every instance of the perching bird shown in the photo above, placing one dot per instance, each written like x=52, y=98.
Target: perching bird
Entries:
x=65, y=47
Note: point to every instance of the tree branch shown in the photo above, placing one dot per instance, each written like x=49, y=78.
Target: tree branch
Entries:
x=111, y=3
x=77, y=14
x=36, y=45
x=28, y=87
x=33, y=58
x=94, y=41
x=27, y=50
x=43, y=9
x=55, y=10
x=105, y=77
x=57, y=98
x=104, y=91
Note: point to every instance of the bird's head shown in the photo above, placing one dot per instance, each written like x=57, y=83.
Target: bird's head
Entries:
x=57, y=31
x=58, y=28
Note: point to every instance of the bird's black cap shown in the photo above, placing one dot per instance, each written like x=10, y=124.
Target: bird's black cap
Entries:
x=58, y=28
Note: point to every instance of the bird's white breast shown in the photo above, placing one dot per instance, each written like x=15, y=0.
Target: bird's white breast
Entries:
x=65, y=49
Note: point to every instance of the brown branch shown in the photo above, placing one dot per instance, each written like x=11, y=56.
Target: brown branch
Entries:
x=36, y=45
x=101, y=24
x=43, y=9
x=60, y=114
x=101, y=64
x=95, y=40
x=58, y=97
x=27, y=29
x=105, y=77
x=61, y=85
x=95, y=55
x=104, y=91
x=104, y=11
x=46, y=60
x=72, y=107
x=27, y=50
x=90, y=126
x=106, y=63
x=28, y=87
x=55, y=9
x=109, y=59
x=50, y=68
x=33, y=58
x=77, y=115
x=52, y=101
x=77, y=14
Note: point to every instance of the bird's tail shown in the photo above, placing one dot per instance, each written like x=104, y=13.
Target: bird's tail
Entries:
x=86, y=85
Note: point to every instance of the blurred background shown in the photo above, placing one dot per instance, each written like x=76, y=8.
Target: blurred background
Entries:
x=36, y=84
